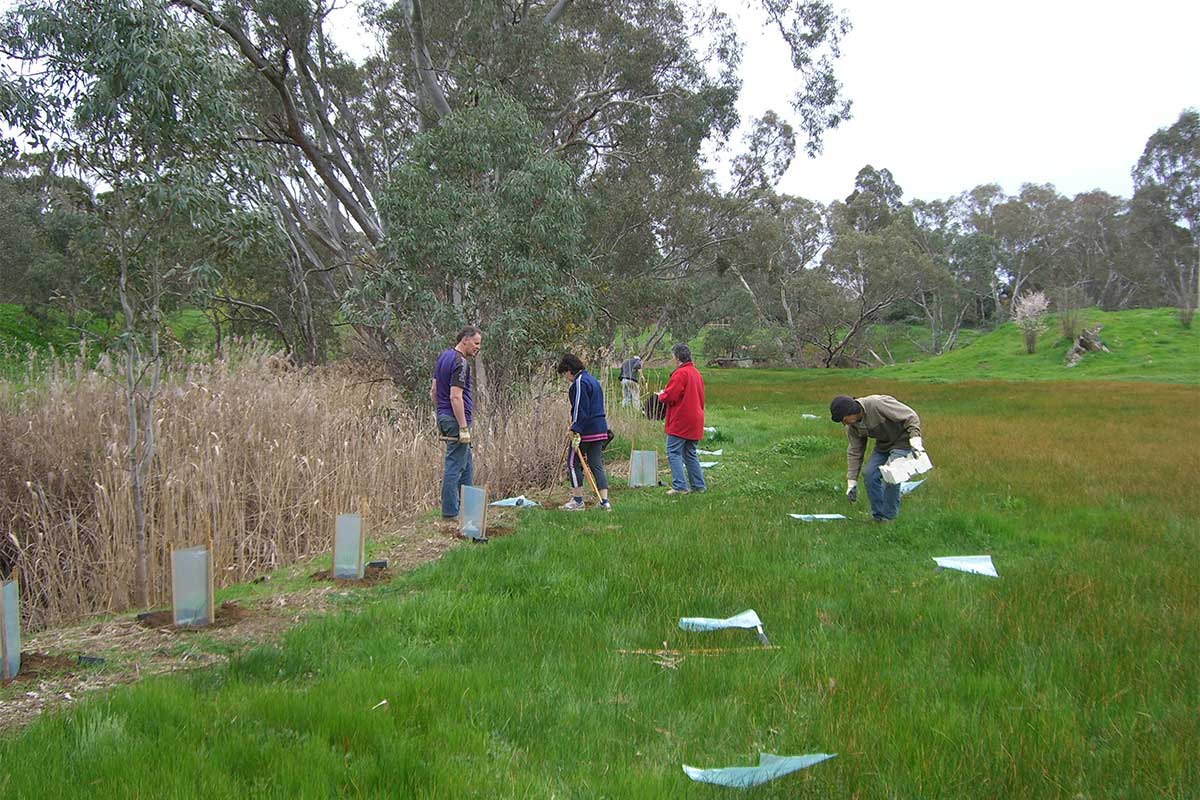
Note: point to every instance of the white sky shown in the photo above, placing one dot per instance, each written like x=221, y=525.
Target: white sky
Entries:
x=950, y=94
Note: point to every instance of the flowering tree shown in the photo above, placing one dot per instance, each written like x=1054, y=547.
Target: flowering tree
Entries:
x=1029, y=312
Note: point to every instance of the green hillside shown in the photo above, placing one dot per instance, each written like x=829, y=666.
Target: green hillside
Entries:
x=1146, y=345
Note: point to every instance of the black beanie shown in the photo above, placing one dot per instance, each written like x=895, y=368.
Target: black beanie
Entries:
x=842, y=405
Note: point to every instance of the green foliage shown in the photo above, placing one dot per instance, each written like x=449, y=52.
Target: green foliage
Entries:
x=486, y=229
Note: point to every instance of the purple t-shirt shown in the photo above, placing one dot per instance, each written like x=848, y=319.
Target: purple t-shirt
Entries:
x=452, y=369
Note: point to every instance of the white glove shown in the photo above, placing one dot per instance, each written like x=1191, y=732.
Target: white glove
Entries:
x=852, y=490
x=918, y=447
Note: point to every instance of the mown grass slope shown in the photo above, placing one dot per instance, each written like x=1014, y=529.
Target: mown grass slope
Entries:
x=1074, y=674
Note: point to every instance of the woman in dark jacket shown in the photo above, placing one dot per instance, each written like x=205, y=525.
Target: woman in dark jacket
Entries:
x=589, y=431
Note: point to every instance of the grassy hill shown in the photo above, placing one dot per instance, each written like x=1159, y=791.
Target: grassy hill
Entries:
x=1073, y=675
x=1146, y=345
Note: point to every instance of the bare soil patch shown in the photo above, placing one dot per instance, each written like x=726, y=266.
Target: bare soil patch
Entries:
x=371, y=577
x=37, y=665
x=227, y=614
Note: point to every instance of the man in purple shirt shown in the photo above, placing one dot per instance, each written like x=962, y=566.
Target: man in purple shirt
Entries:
x=451, y=396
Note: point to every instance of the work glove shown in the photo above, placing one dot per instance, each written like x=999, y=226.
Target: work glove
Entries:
x=464, y=435
x=576, y=440
x=852, y=491
x=918, y=447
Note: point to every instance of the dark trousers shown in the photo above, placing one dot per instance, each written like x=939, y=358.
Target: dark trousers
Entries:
x=457, y=468
x=594, y=453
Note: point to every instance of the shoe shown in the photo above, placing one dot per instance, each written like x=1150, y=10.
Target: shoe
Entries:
x=605, y=505
x=573, y=505
x=677, y=491
x=881, y=520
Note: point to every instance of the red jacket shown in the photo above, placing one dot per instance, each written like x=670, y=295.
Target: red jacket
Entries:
x=684, y=399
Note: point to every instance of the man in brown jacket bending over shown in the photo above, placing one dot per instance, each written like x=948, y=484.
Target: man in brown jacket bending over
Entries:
x=896, y=429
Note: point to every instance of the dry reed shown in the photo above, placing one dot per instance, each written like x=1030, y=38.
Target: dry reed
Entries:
x=251, y=455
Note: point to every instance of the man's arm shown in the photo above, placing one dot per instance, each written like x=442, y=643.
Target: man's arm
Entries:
x=456, y=403
x=854, y=453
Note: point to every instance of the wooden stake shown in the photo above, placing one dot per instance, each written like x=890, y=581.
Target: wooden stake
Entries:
x=212, y=605
x=483, y=521
x=362, y=536
x=587, y=473
x=4, y=631
x=703, y=651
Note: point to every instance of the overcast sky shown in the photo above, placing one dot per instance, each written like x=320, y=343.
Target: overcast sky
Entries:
x=950, y=94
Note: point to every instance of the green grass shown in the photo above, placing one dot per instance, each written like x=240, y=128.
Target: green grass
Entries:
x=1146, y=344
x=1075, y=674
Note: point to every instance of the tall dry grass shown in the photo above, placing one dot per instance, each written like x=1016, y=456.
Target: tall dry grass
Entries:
x=251, y=455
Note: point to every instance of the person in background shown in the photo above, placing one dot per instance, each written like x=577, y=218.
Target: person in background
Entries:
x=451, y=396
x=896, y=429
x=631, y=376
x=684, y=398
x=589, y=431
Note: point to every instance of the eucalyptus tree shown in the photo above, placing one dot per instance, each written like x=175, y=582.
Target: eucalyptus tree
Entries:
x=957, y=280
x=1167, y=192
x=873, y=262
x=1031, y=232
x=138, y=105
x=625, y=92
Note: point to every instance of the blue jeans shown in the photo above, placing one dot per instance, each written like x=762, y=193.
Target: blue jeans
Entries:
x=685, y=465
x=456, y=473
x=884, y=497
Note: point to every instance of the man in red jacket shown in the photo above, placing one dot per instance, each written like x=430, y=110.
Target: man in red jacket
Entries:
x=684, y=399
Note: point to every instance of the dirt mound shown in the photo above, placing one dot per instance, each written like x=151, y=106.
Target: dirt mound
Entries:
x=228, y=614
x=35, y=666
x=371, y=576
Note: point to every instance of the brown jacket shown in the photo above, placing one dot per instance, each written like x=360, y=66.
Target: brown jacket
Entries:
x=886, y=420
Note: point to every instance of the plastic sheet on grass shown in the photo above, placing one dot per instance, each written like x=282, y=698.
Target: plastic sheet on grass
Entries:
x=520, y=501
x=747, y=619
x=770, y=767
x=709, y=464
x=977, y=565
x=720, y=452
x=817, y=517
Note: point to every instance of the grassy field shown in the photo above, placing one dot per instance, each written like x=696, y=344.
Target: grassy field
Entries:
x=1073, y=675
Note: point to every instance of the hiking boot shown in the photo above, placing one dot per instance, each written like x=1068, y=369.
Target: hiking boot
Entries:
x=573, y=505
